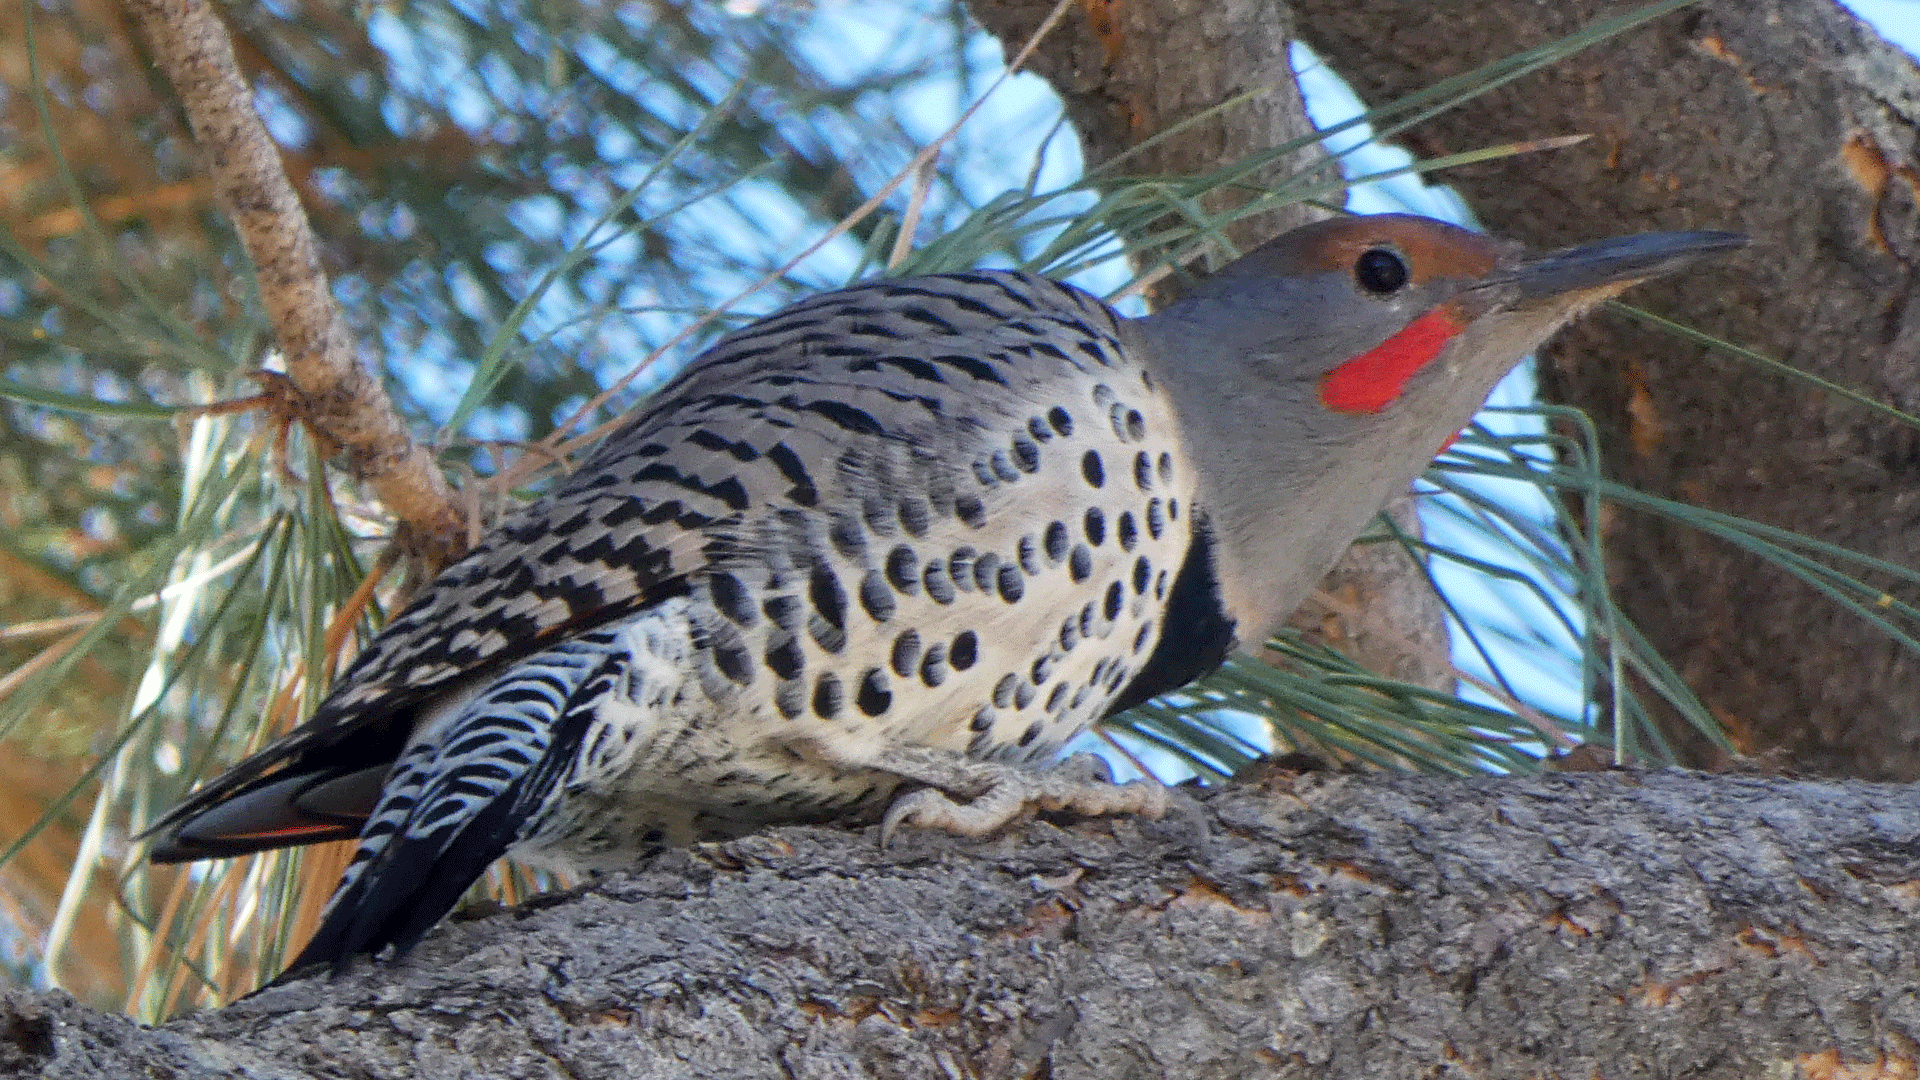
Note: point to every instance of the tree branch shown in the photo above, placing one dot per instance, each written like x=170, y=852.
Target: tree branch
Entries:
x=341, y=400
x=1334, y=925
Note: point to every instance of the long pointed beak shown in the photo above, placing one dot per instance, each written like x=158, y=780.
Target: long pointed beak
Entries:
x=1618, y=263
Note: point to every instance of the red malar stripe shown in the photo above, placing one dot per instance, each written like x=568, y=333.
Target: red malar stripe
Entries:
x=1371, y=381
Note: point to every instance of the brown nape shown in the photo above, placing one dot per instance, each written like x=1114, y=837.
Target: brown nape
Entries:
x=1433, y=250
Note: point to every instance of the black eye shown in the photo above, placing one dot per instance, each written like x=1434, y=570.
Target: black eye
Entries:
x=1380, y=271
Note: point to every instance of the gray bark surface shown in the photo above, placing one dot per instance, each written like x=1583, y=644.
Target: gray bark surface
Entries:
x=1332, y=925
x=1794, y=123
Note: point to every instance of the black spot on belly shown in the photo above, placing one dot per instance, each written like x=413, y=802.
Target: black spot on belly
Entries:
x=1115, y=595
x=1042, y=670
x=1136, y=425
x=1069, y=635
x=939, y=584
x=1013, y=584
x=1142, y=575
x=1146, y=634
x=965, y=651
x=1092, y=470
x=828, y=696
x=1056, y=541
x=1061, y=421
x=783, y=610
x=1003, y=467
x=933, y=669
x=983, y=720
x=1143, y=471
x=971, y=511
x=1156, y=519
x=829, y=599
x=906, y=653
x=1080, y=567
x=1096, y=526
x=985, y=571
x=786, y=660
x=1028, y=553
x=903, y=569
x=1059, y=695
x=731, y=598
x=876, y=597
x=1032, y=733
x=791, y=698
x=1026, y=455
x=1126, y=531
x=734, y=662
x=874, y=697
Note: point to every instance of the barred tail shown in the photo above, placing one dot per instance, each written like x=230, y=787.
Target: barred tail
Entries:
x=458, y=798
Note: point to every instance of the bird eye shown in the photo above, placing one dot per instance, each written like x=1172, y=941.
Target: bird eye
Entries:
x=1380, y=271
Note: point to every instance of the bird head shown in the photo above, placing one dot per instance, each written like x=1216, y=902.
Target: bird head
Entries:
x=1318, y=375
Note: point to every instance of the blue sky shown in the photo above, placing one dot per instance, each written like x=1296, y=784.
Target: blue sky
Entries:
x=1897, y=20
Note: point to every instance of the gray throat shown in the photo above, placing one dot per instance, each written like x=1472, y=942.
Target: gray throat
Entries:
x=1286, y=483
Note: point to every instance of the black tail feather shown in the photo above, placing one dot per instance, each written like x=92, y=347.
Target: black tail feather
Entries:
x=412, y=882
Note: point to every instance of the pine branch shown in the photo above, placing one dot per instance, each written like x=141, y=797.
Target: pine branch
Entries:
x=341, y=401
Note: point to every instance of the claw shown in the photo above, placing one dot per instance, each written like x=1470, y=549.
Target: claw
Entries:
x=905, y=807
x=1077, y=785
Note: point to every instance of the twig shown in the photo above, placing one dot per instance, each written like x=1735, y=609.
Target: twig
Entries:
x=341, y=400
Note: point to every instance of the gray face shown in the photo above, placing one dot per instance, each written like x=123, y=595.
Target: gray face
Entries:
x=1316, y=377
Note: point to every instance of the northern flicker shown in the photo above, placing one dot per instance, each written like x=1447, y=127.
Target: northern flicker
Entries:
x=889, y=549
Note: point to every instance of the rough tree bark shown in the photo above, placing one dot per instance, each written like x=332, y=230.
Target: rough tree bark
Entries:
x=1606, y=924
x=1785, y=119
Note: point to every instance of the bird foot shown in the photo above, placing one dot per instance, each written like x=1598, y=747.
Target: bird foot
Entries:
x=994, y=794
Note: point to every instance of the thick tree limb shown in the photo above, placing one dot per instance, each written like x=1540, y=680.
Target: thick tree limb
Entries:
x=340, y=399
x=1606, y=924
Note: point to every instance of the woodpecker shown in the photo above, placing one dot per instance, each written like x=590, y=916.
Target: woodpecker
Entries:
x=882, y=553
